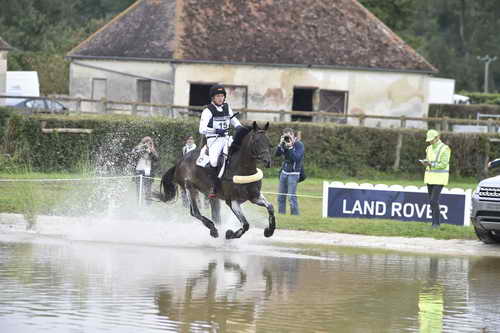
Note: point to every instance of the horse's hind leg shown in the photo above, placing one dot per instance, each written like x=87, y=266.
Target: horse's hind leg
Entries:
x=193, y=208
x=236, y=208
x=261, y=201
x=215, y=207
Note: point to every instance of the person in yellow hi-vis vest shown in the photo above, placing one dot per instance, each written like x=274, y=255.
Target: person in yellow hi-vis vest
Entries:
x=437, y=171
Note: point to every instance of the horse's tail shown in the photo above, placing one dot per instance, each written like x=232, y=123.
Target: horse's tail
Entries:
x=169, y=187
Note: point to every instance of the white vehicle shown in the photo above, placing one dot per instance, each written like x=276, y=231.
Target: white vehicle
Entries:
x=21, y=83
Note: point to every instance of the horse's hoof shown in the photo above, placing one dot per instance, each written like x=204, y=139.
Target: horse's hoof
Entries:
x=229, y=234
x=214, y=233
x=268, y=232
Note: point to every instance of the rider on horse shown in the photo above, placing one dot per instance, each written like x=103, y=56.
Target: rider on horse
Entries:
x=214, y=124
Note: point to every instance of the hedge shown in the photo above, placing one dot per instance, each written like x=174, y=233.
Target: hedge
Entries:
x=462, y=111
x=353, y=151
x=482, y=98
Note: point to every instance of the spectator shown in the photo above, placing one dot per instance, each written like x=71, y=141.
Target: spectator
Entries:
x=292, y=150
x=145, y=156
x=189, y=145
x=437, y=168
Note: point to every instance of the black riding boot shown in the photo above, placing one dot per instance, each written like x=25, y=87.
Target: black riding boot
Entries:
x=212, y=176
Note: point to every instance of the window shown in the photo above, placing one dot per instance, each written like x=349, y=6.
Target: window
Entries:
x=99, y=89
x=144, y=91
x=198, y=94
x=36, y=104
x=334, y=101
x=302, y=101
x=55, y=106
x=314, y=99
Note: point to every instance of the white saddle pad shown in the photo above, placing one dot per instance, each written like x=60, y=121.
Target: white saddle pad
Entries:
x=203, y=159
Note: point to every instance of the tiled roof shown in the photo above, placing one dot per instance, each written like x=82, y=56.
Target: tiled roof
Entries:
x=144, y=30
x=340, y=33
x=4, y=45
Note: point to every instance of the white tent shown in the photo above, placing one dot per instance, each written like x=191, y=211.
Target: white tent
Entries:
x=441, y=90
x=461, y=99
x=21, y=84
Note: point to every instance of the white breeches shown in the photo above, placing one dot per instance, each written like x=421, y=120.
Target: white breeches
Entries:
x=215, y=148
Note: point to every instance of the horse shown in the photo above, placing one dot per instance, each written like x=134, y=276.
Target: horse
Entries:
x=240, y=182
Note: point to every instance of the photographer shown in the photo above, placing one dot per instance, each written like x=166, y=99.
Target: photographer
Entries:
x=145, y=156
x=292, y=150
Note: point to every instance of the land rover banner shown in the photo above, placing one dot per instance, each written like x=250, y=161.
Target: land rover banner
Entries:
x=398, y=204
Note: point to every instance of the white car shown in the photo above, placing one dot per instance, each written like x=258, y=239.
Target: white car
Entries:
x=43, y=105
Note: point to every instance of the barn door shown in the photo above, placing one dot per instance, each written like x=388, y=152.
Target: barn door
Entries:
x=333, y=101
x=99, y=89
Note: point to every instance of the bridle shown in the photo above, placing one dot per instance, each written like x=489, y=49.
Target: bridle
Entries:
x=253, y=153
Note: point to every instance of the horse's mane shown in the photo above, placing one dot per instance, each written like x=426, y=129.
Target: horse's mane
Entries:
x=241, y=132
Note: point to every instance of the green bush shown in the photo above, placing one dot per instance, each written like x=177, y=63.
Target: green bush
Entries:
x=333, y=149
x=462, y=111
x=108, y=146
x=482, y=98
x=5, y=114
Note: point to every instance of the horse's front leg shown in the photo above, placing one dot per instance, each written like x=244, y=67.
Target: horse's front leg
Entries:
x=193, y=208
x=236, y=208
x=262, y=201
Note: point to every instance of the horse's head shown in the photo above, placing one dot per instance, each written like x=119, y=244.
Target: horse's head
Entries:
x=260, y=144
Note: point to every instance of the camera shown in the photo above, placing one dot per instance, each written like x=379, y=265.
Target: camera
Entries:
x=287, y=138
x=143, y=148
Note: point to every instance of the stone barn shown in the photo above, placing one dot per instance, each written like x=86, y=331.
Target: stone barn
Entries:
x=294, y=55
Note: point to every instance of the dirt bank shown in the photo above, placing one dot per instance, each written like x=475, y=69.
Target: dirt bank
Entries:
x=414, y=245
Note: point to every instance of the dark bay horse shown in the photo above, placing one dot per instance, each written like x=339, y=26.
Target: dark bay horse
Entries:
x=241, y=180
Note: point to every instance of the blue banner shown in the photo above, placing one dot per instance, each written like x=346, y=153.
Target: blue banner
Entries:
x=396, y=205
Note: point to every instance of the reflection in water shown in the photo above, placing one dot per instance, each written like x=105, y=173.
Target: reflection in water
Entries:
x=62, y=286
x=430, y=304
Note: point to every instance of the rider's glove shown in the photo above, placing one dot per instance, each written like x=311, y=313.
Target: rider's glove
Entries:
x=220, y=132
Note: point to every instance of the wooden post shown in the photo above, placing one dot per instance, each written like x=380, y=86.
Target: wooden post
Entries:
x=79, y=105
x=102, y=105
x=361, y=120
x=399, y=145
x=491, y=126
x=282, y=115
x=402, y=123
x=445, y=126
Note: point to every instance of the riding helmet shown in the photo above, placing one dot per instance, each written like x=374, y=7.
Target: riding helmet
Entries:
x=217, y=89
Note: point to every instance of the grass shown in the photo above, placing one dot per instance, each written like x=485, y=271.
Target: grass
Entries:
x=71, y=198
x=47, y=198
